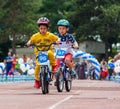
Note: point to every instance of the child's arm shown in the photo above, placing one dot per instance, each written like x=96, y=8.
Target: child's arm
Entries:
x=75, y=44
x=28, y=43
x=58, y=41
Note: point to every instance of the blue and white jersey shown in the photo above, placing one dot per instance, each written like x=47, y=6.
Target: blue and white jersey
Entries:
x=67, y=42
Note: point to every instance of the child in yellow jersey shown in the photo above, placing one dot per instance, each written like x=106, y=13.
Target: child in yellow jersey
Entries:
x=46, y=38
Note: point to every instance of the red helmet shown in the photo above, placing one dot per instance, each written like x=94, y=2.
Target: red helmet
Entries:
x=43, y=20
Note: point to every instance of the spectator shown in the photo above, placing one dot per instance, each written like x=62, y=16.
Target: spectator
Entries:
x=30, y=60
x=83, y=69
x=77, y=70
x=14, y=62
x=91, y=70
x=116, y=57
x=110, y=67
x=103, y=64
x=85, y=65
x=24, y=58
x=103, y=74
x=8, y=60
x=17, y=66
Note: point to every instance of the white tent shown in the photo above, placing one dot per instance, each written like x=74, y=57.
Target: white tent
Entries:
x=2, y=67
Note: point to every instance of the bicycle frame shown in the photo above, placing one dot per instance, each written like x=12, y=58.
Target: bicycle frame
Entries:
x=64, y=68
x=44, y=68
x=44, y=62
x=63, y=74
x=60, y=55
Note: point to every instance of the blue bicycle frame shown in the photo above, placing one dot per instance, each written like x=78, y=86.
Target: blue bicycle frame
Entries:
x=60, y=54
x=44, y=62
x=63, y=75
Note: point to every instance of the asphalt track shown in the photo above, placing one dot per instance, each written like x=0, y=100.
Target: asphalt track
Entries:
x=85, y=94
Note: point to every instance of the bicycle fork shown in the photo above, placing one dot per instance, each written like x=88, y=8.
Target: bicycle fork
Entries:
x=45, y=69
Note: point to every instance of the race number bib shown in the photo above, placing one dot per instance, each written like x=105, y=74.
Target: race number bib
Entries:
x=43, y=57
x=60, y=53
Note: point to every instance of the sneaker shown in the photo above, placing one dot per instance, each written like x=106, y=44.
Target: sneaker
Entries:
x=37, y=84
x=72, y=72
x=54, y=69
x=73, y=75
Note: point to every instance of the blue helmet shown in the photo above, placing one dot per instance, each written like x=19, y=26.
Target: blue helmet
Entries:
x=63, y=22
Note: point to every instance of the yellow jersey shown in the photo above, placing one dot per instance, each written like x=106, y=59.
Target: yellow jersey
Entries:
x=40, y=39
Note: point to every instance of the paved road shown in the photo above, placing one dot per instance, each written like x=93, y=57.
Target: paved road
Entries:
x=85, y=94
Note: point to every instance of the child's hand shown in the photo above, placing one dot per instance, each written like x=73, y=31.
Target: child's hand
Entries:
x=76, y=47
x=58, y=41
x=28, y=43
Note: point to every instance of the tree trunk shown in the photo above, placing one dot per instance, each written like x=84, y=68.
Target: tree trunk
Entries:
x=13, y=45
x=14, y=33
x=106, y=49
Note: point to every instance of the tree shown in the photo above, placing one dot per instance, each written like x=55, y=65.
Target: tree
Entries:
x=54, y=11
x=97, y=17
x=18, y=19
x=112, y=24
x=109, y=24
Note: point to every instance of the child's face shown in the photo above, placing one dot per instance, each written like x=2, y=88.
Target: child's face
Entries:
x=62, y=30
x=43, y=29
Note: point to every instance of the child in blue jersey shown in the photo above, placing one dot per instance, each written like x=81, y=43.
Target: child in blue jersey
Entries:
x=67, y=41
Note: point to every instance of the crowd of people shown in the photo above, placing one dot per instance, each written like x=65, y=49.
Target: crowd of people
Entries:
x=86, y=69
x=83, y=69
x=13, y=65
x=107, y=68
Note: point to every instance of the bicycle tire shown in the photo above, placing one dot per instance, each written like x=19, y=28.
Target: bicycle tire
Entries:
x=60, y=81
x=68, y=82
x=44, y=82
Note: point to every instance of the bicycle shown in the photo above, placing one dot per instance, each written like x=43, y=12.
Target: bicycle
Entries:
x=63, y=75
x=44, y=75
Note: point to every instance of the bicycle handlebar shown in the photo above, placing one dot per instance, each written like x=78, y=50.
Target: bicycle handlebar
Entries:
x=38, y=47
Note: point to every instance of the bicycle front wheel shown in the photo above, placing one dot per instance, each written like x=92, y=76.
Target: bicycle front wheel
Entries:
x=44, y=83
x=60, y=81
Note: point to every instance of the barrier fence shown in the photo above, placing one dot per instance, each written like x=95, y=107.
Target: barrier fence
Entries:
x=16, y=78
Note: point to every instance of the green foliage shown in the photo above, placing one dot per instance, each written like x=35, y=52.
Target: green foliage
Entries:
x=4, y=50
x=18, y=14
x=88, y=18
x=54, y=11
x=96, y=17
x=17, y=19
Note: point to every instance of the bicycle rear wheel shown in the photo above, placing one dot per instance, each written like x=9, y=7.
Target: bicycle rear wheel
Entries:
x=60, y=81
